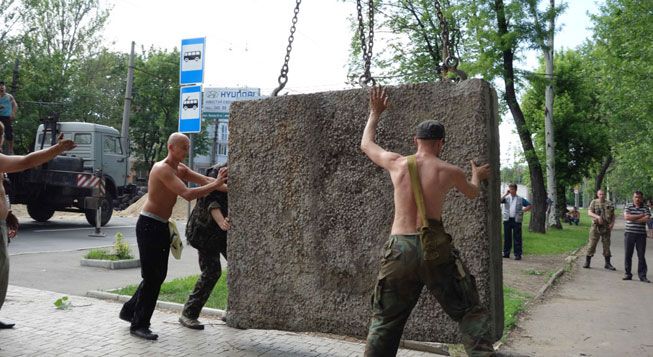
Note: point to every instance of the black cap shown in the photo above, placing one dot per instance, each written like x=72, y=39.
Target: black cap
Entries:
x=430, y=130
x=2, y=83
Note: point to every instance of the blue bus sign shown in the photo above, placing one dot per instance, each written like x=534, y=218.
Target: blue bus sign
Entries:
x=191, y=61
x=190, y=109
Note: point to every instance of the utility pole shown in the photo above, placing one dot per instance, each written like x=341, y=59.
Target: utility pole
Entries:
x=128, y=103
x=552, y=192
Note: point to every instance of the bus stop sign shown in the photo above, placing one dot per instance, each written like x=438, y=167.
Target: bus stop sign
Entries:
x=191, y=61
x=190, y=109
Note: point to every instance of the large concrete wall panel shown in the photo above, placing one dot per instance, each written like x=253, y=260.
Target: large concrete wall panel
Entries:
x=311, y=212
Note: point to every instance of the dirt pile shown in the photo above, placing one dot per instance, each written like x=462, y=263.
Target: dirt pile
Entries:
x=179, y=211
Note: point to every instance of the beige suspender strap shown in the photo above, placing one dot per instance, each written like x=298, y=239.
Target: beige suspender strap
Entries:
x=417, y=189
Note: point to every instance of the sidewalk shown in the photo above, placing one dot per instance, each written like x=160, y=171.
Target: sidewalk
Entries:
x=92, y=328
x=591, y=312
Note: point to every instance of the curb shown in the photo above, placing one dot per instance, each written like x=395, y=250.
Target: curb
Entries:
x=111, y=264
x=568, y=263
x=164, y=305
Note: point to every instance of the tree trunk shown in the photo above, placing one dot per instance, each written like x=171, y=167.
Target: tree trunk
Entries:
x=598, y=182
x=538, y=213
x=554, y=218
x=561, y=201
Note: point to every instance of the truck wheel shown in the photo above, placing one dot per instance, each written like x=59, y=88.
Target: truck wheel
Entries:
x=107, y=211
x=40, y=213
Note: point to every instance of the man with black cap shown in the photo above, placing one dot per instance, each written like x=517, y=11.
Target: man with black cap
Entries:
x=8, y=109
x=419, y=251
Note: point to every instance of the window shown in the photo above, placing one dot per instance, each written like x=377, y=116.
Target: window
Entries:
x=112, y=145
x=222, y=149
x=82, y=138
x=224, y=132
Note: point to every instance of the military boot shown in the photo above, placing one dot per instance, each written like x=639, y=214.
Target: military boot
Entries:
x=608, y=265
x=587, y=261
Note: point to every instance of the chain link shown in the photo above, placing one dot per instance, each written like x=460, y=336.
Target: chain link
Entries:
x=366, y=46
x=283, y=77
x=449, y=45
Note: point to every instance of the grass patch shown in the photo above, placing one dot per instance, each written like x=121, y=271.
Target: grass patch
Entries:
x=513, y=304
x=177, y=290
x=555, y=241
x=101, y=254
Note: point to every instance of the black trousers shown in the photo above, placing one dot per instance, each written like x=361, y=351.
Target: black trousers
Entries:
x=153, y=239
x=637, y=242
x=512, y=232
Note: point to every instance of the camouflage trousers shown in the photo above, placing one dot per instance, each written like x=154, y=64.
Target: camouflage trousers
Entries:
x=403, y=274
x=211, y=272
x=597, y=233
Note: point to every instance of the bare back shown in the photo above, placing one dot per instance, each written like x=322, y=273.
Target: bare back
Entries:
x=4, y=202
x=160, y=198
x=436, y=178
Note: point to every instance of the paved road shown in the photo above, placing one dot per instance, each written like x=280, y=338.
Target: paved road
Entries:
x=47, y=256
x=92, y=328
x=594, y=313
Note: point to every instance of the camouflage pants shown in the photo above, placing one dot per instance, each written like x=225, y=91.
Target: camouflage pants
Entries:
x=211, y=272
x=597, y=233
x=400, y=281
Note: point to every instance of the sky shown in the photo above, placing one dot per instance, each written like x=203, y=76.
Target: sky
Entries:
x=246, y=42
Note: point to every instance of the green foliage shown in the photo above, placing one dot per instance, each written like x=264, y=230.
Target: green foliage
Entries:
x=63, y=303
x=623, y=60
x=177, y=290
x=121, y=248
x=562, y=241
x=513, y=303
x=122, y=251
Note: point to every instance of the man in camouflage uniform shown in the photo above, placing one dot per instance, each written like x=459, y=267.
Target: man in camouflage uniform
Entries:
x=207, y=232
x=602, y=212
x=409, y=262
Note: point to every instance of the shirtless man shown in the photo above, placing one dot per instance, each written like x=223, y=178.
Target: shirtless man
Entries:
x=165, y=183
x=16, y=163
x=405, y=268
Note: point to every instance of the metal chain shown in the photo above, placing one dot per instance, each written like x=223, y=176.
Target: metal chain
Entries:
x=366, y=46
x=449, y=46
x=283, y=77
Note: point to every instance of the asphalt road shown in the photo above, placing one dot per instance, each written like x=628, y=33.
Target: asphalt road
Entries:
x=47, y=256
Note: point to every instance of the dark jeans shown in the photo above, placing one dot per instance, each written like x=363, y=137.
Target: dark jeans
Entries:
x=512, y=232
x=153, y=239
x=211, y=270
x=635, y=242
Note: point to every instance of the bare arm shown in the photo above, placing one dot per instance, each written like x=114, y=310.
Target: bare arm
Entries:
x=378, y=155
x=177, y=186
x=222, y=222
x=186, y=174
x=470, y=188
x=14, y=107
x=16, y=163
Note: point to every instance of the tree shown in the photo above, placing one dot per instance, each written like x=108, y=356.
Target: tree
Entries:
x=582, y=132
x=624, y=63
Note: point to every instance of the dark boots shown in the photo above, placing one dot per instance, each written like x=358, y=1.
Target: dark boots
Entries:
x=587, y=261
x=608, y=265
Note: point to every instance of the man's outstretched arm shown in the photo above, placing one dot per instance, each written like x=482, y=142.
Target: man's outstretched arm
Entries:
x=378, y=155
x=471, y=188
x=16, y=163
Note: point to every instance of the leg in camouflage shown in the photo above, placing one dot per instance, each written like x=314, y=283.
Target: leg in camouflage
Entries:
x=605, y=241
x=396, y=293
x=455, y=289
x=211, y=271
x=594, y=237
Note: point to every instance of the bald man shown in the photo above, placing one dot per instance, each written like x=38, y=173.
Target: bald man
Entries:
x=166, y=182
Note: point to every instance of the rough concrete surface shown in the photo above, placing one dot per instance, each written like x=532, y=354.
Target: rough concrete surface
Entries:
x=311, y=212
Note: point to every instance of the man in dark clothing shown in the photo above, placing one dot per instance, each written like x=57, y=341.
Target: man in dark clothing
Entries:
x=636, y=215
x=207, y=232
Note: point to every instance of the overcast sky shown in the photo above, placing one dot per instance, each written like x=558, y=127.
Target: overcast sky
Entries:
x=246, y=41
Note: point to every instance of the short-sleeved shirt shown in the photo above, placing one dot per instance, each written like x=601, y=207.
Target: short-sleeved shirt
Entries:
x=202, y=232
x=5, y=105
x=603, y=209
x=636, y=227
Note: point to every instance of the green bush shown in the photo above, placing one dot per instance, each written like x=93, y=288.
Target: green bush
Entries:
x=100, y=254
x=123, y=251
